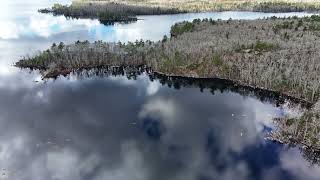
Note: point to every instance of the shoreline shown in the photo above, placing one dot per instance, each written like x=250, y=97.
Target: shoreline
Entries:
x=287, y=62
x=111, y=12
x=293, y=99
x=55, y=73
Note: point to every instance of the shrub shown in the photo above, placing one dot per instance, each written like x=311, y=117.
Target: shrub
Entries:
x=315, y=18
x=181, y=28
x=216, y=60
x=263, y=46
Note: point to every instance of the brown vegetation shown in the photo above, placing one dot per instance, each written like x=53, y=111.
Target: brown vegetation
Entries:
x=224, y=5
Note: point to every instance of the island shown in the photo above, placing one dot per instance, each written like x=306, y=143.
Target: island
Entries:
x=107, y=13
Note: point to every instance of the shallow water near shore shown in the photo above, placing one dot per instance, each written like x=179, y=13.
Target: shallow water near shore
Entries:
x=140, y=128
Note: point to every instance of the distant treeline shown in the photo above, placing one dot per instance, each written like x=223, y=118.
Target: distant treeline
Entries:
x=285, y=7
x=226, y=5
x=107, y=13
x=276, y=54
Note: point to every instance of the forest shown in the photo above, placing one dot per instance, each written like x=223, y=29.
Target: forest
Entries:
x=276, y=54
x=224, y=5
x=107, y=13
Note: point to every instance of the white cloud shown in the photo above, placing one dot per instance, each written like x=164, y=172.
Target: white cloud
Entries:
x=9, y=30
x=43, y=25
x=293, y=161
x=153, y=88
x=132, y=165
x=164, y=110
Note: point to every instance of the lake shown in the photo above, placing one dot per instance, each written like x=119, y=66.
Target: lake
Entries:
x=130, y=127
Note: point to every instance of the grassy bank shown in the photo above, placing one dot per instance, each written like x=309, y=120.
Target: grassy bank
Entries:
x=107, y=13
x=224, y=5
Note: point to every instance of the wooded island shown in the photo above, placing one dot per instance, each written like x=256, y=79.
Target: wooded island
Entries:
x=108, y=13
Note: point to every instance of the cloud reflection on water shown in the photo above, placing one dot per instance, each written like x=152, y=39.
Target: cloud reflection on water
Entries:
x=115, y=128
x=103, y=128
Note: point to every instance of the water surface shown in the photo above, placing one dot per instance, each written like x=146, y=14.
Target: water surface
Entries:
x=115, y=128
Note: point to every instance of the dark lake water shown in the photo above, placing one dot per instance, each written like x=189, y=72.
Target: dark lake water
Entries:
x=141, y=128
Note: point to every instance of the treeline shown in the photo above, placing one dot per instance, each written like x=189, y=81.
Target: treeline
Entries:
x=107, y=13
x=243, y=5
x=86, y=55
x=282, y=6
x=276, y=54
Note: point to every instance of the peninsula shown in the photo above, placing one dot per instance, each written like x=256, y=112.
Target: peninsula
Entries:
x=276, y=54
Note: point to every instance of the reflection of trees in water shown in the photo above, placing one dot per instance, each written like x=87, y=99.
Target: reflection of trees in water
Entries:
x=176, y=82
x=105, y=71
x=308, y=130
x=284, y=133
x=214, y=85
x=311, y=156
x=308, y=127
